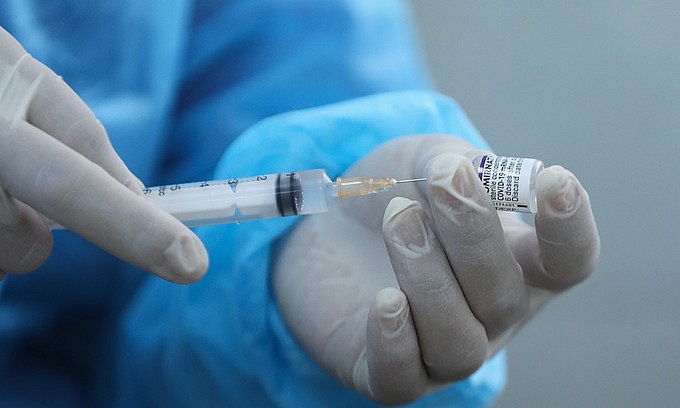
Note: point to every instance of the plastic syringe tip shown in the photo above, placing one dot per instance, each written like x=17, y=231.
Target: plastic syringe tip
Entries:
x=359, y=186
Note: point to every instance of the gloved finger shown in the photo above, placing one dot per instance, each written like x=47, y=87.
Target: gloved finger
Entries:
x=78, y=194
x=472, y=236
x=47, y=102
x=394, y=372
x=566, y=245
x=452, y=341
x=25, y=240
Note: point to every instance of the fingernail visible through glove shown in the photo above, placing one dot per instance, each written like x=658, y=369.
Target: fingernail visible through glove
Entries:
x=405, y=227
x=453, y=175
x=560, y=188
x=391, y=305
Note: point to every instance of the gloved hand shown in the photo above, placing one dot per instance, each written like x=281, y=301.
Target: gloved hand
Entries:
x=56, y=160
x=397, y=298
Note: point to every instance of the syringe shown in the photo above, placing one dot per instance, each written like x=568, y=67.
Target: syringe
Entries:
x=265, y=196
x=259, y=197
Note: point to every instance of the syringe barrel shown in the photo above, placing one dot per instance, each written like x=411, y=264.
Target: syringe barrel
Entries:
x=243, y=199
x=509, y=181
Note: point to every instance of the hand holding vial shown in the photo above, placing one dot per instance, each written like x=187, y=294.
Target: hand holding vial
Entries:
x=433, y=285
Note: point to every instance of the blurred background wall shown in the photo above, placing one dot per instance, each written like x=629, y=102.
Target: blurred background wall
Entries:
x=594, y=86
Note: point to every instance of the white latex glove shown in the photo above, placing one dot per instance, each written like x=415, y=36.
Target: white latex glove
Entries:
x=395, y=305
x=56, y=160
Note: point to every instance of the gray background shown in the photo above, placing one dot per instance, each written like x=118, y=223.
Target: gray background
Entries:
x=594, y=86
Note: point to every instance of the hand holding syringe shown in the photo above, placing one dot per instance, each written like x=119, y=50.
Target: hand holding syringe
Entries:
x=311, y=191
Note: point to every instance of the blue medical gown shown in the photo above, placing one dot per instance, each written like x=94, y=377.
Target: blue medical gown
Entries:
x=193, y=90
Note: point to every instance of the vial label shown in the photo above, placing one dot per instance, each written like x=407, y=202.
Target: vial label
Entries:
x=509, y=181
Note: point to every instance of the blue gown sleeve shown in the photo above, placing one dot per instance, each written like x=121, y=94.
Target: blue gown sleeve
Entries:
x=222, y=342
x=250, y=59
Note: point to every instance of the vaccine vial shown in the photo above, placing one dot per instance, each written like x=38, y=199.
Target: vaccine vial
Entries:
x=509, y=181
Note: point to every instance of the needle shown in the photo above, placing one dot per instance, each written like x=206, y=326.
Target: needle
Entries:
x=414, y=180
